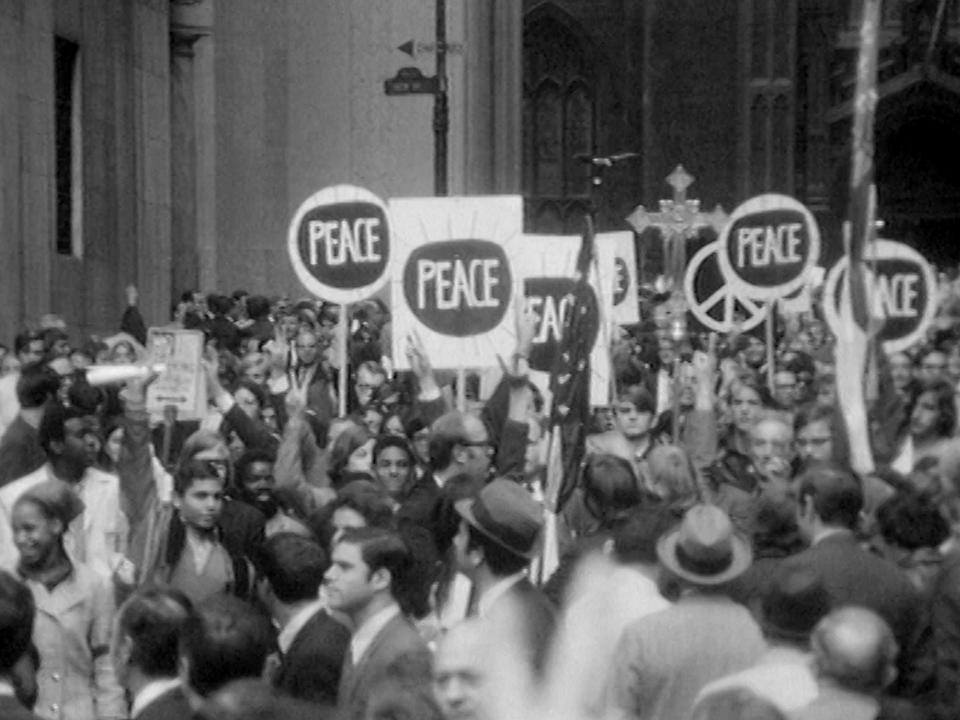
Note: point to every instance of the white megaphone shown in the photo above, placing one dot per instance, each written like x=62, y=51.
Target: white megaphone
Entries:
x=114, y=374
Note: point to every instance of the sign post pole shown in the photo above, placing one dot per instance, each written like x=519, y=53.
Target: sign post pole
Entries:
x=343, y=330
x=441, y=106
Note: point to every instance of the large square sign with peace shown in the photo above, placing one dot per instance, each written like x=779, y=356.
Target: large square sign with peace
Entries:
x=453, y=283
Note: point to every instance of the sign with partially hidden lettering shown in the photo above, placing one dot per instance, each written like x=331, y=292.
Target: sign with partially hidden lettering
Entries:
x=546, y=264
x=454, y=285
x=181, y=384
x=339, y=243
x=901, y=292
x=616, y=256
x=768, y=246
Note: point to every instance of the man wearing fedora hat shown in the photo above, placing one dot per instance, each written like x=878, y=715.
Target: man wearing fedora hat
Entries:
x=500, y=533
x=664, y=659
x=794, y=603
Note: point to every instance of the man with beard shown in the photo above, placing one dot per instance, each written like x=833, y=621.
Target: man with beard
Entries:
x=257, y=487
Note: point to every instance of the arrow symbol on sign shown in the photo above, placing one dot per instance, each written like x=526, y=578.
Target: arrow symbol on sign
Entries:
x=408, y=48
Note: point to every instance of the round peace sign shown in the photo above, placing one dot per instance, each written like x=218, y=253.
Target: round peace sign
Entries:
x=713, y=301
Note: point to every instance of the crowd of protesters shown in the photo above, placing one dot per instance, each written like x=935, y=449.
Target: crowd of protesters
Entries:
x=718, y=558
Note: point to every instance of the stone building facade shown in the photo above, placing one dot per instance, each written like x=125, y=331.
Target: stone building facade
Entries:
x=168, y=142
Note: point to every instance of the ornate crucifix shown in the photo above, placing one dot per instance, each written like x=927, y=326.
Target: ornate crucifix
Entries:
x=679, y=219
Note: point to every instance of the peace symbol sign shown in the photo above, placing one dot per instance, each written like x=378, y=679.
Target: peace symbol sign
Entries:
x=713, y=301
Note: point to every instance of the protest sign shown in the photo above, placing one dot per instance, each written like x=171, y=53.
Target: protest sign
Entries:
x=768, y=246
x=546, y=264
x=901, y=291
x=340, y=243
x=616, y=258
x=712, y=301
x=454, y=285
x=182, y=383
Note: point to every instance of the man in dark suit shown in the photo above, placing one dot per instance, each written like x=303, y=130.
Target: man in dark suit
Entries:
x=144, y=652
x=16, y=627
x=830, y=501
x=499, y=535
x=312, y=644
x=20, y=449
x=369, y=567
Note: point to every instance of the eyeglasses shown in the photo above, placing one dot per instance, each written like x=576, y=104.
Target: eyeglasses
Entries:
x=812, y=442
x=485, y=444
x=306, y=347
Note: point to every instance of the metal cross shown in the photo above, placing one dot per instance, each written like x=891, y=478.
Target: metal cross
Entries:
x=679, y=219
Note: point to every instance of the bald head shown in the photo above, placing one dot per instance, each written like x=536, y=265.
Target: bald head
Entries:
x=855, y=647
x=458, y=671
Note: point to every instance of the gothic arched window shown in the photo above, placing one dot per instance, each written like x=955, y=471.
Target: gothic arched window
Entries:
x=559, y=123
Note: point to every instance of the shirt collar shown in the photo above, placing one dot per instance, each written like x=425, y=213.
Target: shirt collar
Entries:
x=498, y=590
x=6, y=689
x=150, y=692
x=365, y=634
x=296, y=623
x=829, y=532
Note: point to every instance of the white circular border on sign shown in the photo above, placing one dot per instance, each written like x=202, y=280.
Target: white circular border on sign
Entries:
x=882, y=250
x=329, y=196
x=724, y=294
x=766, y=203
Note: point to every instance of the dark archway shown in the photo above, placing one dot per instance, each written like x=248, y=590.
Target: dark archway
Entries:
x=918, y=170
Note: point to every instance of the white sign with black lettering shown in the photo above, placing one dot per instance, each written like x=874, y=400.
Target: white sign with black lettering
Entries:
x=453, y=284
x=901, y=293
x=546, y=265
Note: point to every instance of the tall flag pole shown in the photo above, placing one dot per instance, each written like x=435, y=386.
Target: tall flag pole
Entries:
x=570, y=385
x=853, y=344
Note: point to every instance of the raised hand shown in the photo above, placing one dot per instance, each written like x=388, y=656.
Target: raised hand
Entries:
x=295, y=401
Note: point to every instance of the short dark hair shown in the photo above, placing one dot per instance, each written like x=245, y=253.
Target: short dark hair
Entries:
x=837, y=494
x=254, y=389
x=639, y=398
x=219, y=304
x=635, y=539
x=191, y=470
x=293, y=565
x=814, y=412
x=23, y=339
x=224, y=639
x=388, y=441
x=368, y=500
x=501, y=561
x=52, y=336
x=610, y=488
x=53, y=424
x=912, y=521
x=249, y=457
x=381, y=548
x=258, y=307
x=37, y=384
x=17, y=610
x=154, y=619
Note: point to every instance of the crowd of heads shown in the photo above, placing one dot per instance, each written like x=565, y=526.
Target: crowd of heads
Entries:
x=717, y=461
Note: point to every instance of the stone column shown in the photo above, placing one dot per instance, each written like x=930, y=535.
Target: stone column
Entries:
x=190, y=28
x=492, y=32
